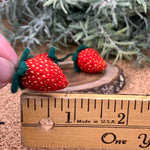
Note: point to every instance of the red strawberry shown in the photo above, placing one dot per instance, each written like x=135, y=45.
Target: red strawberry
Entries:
x=88, y=60
x=42, y=75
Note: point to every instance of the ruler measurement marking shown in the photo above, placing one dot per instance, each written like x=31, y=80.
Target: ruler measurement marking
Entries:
x=121, y=104
x=128, y=112
x=101, y=112
x=21, y=111
x=135, y=105
x=108, y=105
x=95, y=104
x=68, y=103
x=34, y=104
x=54, y=102
x=88, y=105
x=81, y=102
x=61, y=104
x=41, y=103
x=74, y=109
x=28, y=105
x=115, y=106
x=48, y=114
x=141, y=106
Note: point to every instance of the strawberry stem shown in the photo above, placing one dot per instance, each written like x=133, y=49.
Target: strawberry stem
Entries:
x=62, y=59
x=52, y=53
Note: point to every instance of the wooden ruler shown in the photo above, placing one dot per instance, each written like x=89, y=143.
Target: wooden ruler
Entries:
x=85, y=121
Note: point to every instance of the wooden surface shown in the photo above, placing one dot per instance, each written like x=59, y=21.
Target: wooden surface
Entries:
x=85, y=121
x=111, y=80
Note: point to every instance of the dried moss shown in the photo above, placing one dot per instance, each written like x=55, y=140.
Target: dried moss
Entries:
x=113, y=27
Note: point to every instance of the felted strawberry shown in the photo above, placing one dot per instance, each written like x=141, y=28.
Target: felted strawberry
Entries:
x=39, y=73
x=88, y=60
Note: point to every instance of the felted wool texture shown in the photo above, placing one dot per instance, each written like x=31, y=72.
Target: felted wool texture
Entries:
x=43, y=74
x=90, y=61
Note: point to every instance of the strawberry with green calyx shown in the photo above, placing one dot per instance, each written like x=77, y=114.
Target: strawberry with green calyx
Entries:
x=85, y=59
x=88, y=60
x=75, y=57
x=39, y=73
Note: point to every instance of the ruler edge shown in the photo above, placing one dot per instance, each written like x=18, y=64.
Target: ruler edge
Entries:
x=87, y=96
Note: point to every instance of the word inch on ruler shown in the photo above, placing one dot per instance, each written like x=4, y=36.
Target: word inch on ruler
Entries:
x=85, y=121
